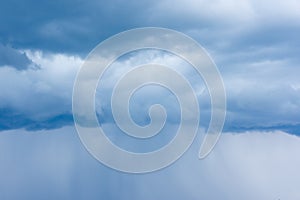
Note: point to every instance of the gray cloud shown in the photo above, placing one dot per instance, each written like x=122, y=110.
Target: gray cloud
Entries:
x=76, y=26
x=255, y=46
x=12, y=57
x=67, y=26
x=262, y=95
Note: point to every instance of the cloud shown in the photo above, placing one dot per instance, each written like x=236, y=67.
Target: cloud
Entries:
x=253, y=165
x=261, y=96
x=254, y=44
x=38, y=98
x=68, y=26
x=14, y=58
x=74, y=27
x=262, y=92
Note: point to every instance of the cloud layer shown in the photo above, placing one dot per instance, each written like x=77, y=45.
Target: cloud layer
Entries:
x=260, y=95
x=254, y=44
x=74, y=26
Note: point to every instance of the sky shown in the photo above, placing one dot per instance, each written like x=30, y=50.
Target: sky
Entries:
x=254, y=44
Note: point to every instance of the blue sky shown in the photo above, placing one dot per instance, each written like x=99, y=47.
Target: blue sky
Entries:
x=255, y=45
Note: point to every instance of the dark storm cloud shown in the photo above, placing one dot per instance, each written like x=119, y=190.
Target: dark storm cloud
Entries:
x=13, y=119
x=77, y=26
x=255, y=47
x=66, y=26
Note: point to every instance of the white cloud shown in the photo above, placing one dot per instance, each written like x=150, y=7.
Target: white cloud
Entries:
x=43, y=92
x=262, y=92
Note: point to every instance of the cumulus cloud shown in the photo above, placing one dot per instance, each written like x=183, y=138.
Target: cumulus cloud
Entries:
x=254, y=44
x=38, y=98
x=262, y=95
x=253, y=165
x=14, y=58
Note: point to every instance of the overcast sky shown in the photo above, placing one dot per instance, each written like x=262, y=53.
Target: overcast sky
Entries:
x=255, y=45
